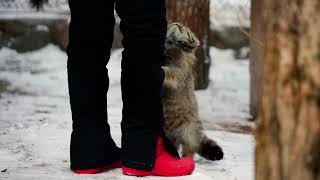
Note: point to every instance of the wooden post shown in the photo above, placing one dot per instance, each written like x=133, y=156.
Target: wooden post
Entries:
x=256, y=56
x=194, y=14
x=288, y=127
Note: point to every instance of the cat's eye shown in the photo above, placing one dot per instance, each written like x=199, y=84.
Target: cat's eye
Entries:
x=188, y=49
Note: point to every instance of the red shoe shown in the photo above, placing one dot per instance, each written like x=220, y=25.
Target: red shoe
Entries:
x=114, y=165
x=165, y=165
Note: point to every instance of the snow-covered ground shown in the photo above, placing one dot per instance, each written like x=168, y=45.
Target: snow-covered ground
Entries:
x=35, y=120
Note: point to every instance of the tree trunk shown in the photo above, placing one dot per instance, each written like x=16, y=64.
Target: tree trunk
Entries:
x=194, y=14
x=288, y=127
x=256, y=56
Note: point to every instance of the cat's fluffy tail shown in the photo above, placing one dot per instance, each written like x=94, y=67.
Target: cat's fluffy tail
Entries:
x=210, y=150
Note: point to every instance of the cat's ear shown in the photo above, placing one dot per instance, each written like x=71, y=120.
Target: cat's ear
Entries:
x=173, y=31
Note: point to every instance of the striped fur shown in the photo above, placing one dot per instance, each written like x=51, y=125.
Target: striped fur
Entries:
x=182, y=123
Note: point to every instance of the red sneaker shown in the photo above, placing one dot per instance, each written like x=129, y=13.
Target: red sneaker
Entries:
x=165, y=165
x=114, y=165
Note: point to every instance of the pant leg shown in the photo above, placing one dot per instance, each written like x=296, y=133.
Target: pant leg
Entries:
x=144, y=27
x=90, y=41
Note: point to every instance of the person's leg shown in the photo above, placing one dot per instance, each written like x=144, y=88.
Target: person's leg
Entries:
x=90, y=41
x=144, y=27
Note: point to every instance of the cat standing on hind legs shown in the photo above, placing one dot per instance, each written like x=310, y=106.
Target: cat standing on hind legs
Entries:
x=182, y=123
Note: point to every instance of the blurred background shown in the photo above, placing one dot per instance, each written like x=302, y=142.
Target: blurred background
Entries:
x=35, y=120
x=22, y=20
x=246, y=46
x=28, y=25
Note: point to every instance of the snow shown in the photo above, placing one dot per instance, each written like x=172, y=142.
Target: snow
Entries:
x=32, y=15
x=35, y=119
x=229, y=13
x=226, y=101
x=25, y=6
x=222, y=12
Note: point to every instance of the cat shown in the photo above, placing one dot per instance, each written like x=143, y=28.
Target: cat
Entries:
x=182, y=124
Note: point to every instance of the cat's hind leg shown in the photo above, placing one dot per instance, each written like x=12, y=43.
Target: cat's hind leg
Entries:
x=191, y=139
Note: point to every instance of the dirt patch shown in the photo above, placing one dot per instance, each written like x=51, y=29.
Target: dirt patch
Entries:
x=42, y=112
x=3, y=85
x=236, y=127
x=4, y=88
x=20, y=92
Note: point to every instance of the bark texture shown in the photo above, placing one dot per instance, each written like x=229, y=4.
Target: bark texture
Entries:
x=194, y=14
x=288, y=127
x=256, y=57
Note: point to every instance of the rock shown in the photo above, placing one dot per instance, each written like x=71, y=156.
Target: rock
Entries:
x=242, y=53
x=13, y=27
x=60, y=33
x=29, y=33
x=30, y=41
x=229, y=38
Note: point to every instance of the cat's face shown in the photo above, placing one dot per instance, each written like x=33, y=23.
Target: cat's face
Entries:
x=180, y=41
x=179, y=36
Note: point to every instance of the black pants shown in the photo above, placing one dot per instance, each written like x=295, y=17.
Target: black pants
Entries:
x=144, y=25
